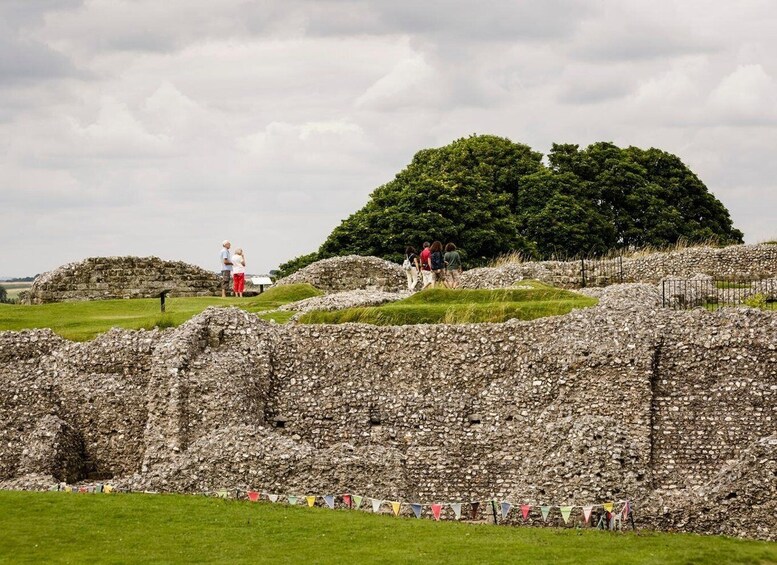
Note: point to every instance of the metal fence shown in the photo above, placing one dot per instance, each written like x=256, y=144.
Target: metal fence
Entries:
x=600, y=271
x=714, y=293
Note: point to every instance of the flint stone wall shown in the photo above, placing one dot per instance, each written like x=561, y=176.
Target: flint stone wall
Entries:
x=101, y=278
x=736, y=261
x=351, y=272
x=674, y=410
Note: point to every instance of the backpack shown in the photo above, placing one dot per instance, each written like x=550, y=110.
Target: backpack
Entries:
x=406, y=264
x=437, y=262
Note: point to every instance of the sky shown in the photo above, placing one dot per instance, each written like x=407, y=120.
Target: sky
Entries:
x=162, y=128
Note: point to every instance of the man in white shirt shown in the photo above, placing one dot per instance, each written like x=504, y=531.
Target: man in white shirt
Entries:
x=226, y=268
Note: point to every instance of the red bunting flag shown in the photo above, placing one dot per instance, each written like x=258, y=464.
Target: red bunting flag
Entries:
x=525, y=509
x=347, y=500
x=253, y=496
x=436, y=510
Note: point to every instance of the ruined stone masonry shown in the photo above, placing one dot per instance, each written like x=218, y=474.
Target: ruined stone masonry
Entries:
x=676, y=411
x=100, y=278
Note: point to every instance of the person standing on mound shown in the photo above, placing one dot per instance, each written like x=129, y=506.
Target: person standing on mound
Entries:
x=226, y=267
x=437, y=264
x=239, y=272
x=426, y=266
x=452, y=265
x=410, y=265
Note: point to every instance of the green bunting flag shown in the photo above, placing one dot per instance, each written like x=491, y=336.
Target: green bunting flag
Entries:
x=357, y=501
x=222, y=494
x=565, y=512
x=292, y=500
x=545, y=511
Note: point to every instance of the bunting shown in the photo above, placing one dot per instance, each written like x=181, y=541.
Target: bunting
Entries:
x=311, y=500
x=253, y=496
x=395, y=507
x=456, y=507
x=292, y=500
x=545, y=511
x=357, y=501
x=565, y=512
x=437, y=510
x=587, y=512
x=222, y=494
x=108, y=489
x=330, y=501
x=506, y=506
x=347, y=500
x=376, y=505
x=525, y=509
x=416, y=509
x=273, y=497
x=608, y=506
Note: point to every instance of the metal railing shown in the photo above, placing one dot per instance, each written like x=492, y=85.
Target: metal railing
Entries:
x=714, y=293
x=601, y=271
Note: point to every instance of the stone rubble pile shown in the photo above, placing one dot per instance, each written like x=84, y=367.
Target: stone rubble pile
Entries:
x=351, y=272
x=101, y=278
x=343, y=300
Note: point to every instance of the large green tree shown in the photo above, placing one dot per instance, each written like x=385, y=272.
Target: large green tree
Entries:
x=491, y=196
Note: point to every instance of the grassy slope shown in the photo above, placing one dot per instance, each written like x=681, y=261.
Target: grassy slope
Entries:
x=528, y=301
x=84, y=320
x=65, y=528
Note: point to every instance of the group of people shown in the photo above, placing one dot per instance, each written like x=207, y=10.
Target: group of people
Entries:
x=437, y=267
x=233, y=270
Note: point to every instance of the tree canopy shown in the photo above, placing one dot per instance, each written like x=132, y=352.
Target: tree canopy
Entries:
x=492, y=196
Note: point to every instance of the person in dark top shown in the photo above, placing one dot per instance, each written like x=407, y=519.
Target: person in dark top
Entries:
x=437, y=264
x=411, y=265
x=452, y=265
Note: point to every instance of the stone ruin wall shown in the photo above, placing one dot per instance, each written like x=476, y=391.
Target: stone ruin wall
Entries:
x=670, y=409
x=101, y=278
x=350, y=272
x=736, y=261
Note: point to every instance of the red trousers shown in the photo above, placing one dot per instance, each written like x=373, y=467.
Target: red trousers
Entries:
x=238, y=282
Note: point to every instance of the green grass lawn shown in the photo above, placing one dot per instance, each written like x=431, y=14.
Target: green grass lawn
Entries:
x=528, y=301
x=82, y=321
x=135, y=528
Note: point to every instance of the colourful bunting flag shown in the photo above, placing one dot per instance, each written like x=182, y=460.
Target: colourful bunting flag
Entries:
x=54, y=487
x=525, y=509
x=416, y=509
x=376, y=505
x=253, y=496
x=545, y=511
x=292, y=499
x=68, y=489
x=357, y=501
x=311, y=500
x=587, y=512
x=608, y=506
x=98, y=488
x=347, y=500
x=273, y=497
x=108, y=489
x=395, y=507
x=475, y=505
x=330, y=501
x=436, y=511
x=82, y=489
x=506, y=506
x=565, y=511
x=626, y=510
x=456, y=507
x=222, y=494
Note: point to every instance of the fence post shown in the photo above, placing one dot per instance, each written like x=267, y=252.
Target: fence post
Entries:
x=663, y=293
x=582, y=272
x=620, y=268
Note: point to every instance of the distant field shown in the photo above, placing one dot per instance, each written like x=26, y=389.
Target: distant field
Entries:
x=14, y=288
x=81, y=321
x=52, y=527
x=527, y=301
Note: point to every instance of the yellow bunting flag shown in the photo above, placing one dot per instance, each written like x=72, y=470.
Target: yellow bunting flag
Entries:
x=108, y=489
x=311, y=500
x=608, y=506
x=395, y=507
x=565, y=511
x=68, y=489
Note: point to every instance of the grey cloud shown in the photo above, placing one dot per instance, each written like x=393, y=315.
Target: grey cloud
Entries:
x=23, y=60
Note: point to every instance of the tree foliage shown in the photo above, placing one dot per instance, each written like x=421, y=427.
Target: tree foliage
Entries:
x=491, y=196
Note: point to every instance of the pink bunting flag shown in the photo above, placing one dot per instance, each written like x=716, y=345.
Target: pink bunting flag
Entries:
x=347, y=500
x=436, y=510
x=253, y=496
x=587, y=512
x=525, y=509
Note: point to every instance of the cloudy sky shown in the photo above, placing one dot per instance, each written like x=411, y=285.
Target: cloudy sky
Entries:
x=160, y=128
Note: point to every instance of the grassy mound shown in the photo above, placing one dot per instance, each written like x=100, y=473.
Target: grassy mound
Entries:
x=526, y=301
x=82, y=321
x=136, y=528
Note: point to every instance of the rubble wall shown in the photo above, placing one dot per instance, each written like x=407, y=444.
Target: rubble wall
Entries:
x=604, y=403
x=101, y=278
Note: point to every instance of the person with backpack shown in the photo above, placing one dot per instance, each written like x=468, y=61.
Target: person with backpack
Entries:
x=411, y=265
x=437, y=264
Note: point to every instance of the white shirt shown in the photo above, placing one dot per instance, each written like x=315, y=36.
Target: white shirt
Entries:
x=238, y=266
